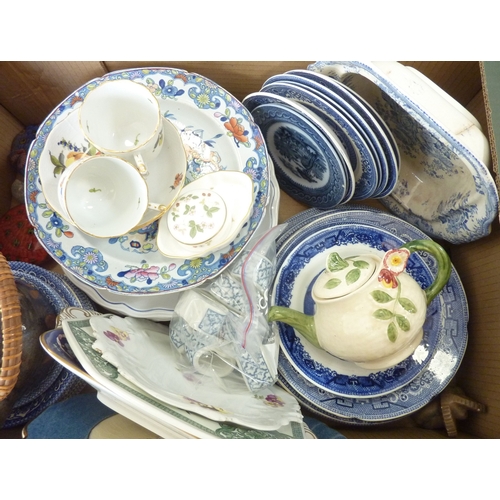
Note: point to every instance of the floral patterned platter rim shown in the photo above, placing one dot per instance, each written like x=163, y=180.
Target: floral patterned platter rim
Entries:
x=444, y=187
x=161, y=307
x=218, y=133
x=130, y=401
x=366, y=117
x=301, y=258
x=433, y=378
x=268, y=409
x=360, y=146
x=59, y=383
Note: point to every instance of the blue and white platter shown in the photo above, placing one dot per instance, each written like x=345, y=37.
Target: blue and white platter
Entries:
x=444, y=186
x=218, y=133
x=364, y=164
x=308, y=165
x=342, y=389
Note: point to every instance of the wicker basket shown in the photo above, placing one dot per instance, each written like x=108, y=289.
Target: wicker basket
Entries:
x=11, y=345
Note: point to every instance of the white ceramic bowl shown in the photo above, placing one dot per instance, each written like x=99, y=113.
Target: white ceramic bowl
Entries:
x=235, y=189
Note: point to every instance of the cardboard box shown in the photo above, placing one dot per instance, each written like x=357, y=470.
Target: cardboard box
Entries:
x=30, y=90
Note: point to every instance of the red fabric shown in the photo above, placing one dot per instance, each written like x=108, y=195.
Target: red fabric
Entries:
x=17, y=238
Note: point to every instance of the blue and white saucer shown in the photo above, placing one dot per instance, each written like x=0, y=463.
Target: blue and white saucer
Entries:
x=381, y=138
x=307, y=166
x=364, y=163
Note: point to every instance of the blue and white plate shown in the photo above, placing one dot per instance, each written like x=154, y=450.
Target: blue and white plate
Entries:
x=444, y=186
x=58, y=383
x=218, y=133
x=355, y=141
x=300, y=261
x=347, y=391
x=308, y=168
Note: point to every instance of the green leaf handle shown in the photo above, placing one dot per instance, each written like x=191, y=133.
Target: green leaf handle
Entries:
x=443, y=264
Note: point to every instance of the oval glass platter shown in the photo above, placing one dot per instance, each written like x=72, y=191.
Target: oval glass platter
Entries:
x=218, y=134
x=444, y=185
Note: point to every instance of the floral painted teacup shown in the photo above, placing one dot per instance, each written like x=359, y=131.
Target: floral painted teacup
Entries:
x=105, y=196
x=123, y=118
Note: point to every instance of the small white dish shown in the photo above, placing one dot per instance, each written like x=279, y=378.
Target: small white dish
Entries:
x=234, y=189
x=197, y=217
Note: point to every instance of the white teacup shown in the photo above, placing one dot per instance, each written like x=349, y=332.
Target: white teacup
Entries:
x=105, y=196
x=123, y=118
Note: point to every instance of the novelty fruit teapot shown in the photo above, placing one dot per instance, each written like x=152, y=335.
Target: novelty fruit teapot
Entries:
x=368, y=309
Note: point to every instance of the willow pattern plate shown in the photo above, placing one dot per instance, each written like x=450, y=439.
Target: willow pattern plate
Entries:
x=218, y=134
x=444, y=185
x=308, y=165
x=365, y=164
x=299, y=263
x=449, y=320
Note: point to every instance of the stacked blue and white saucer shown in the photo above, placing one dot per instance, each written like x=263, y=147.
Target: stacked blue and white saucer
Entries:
x=328, y=145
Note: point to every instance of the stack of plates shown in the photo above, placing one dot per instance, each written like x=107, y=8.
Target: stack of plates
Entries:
x=57, y=383
x=341, y=391
x=129, y=274
x=328, y=145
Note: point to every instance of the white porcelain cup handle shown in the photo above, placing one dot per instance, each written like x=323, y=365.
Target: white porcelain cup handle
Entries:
x=141, y=165
x=158, y=207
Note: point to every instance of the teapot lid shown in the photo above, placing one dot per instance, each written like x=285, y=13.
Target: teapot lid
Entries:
x=344, y=275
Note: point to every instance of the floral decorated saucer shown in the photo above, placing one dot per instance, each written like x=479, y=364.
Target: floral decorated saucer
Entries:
x=444, y=186
x=218, y=133
x=208, y=215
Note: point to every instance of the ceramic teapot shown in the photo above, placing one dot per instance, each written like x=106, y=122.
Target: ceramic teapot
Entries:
x=367, y=309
